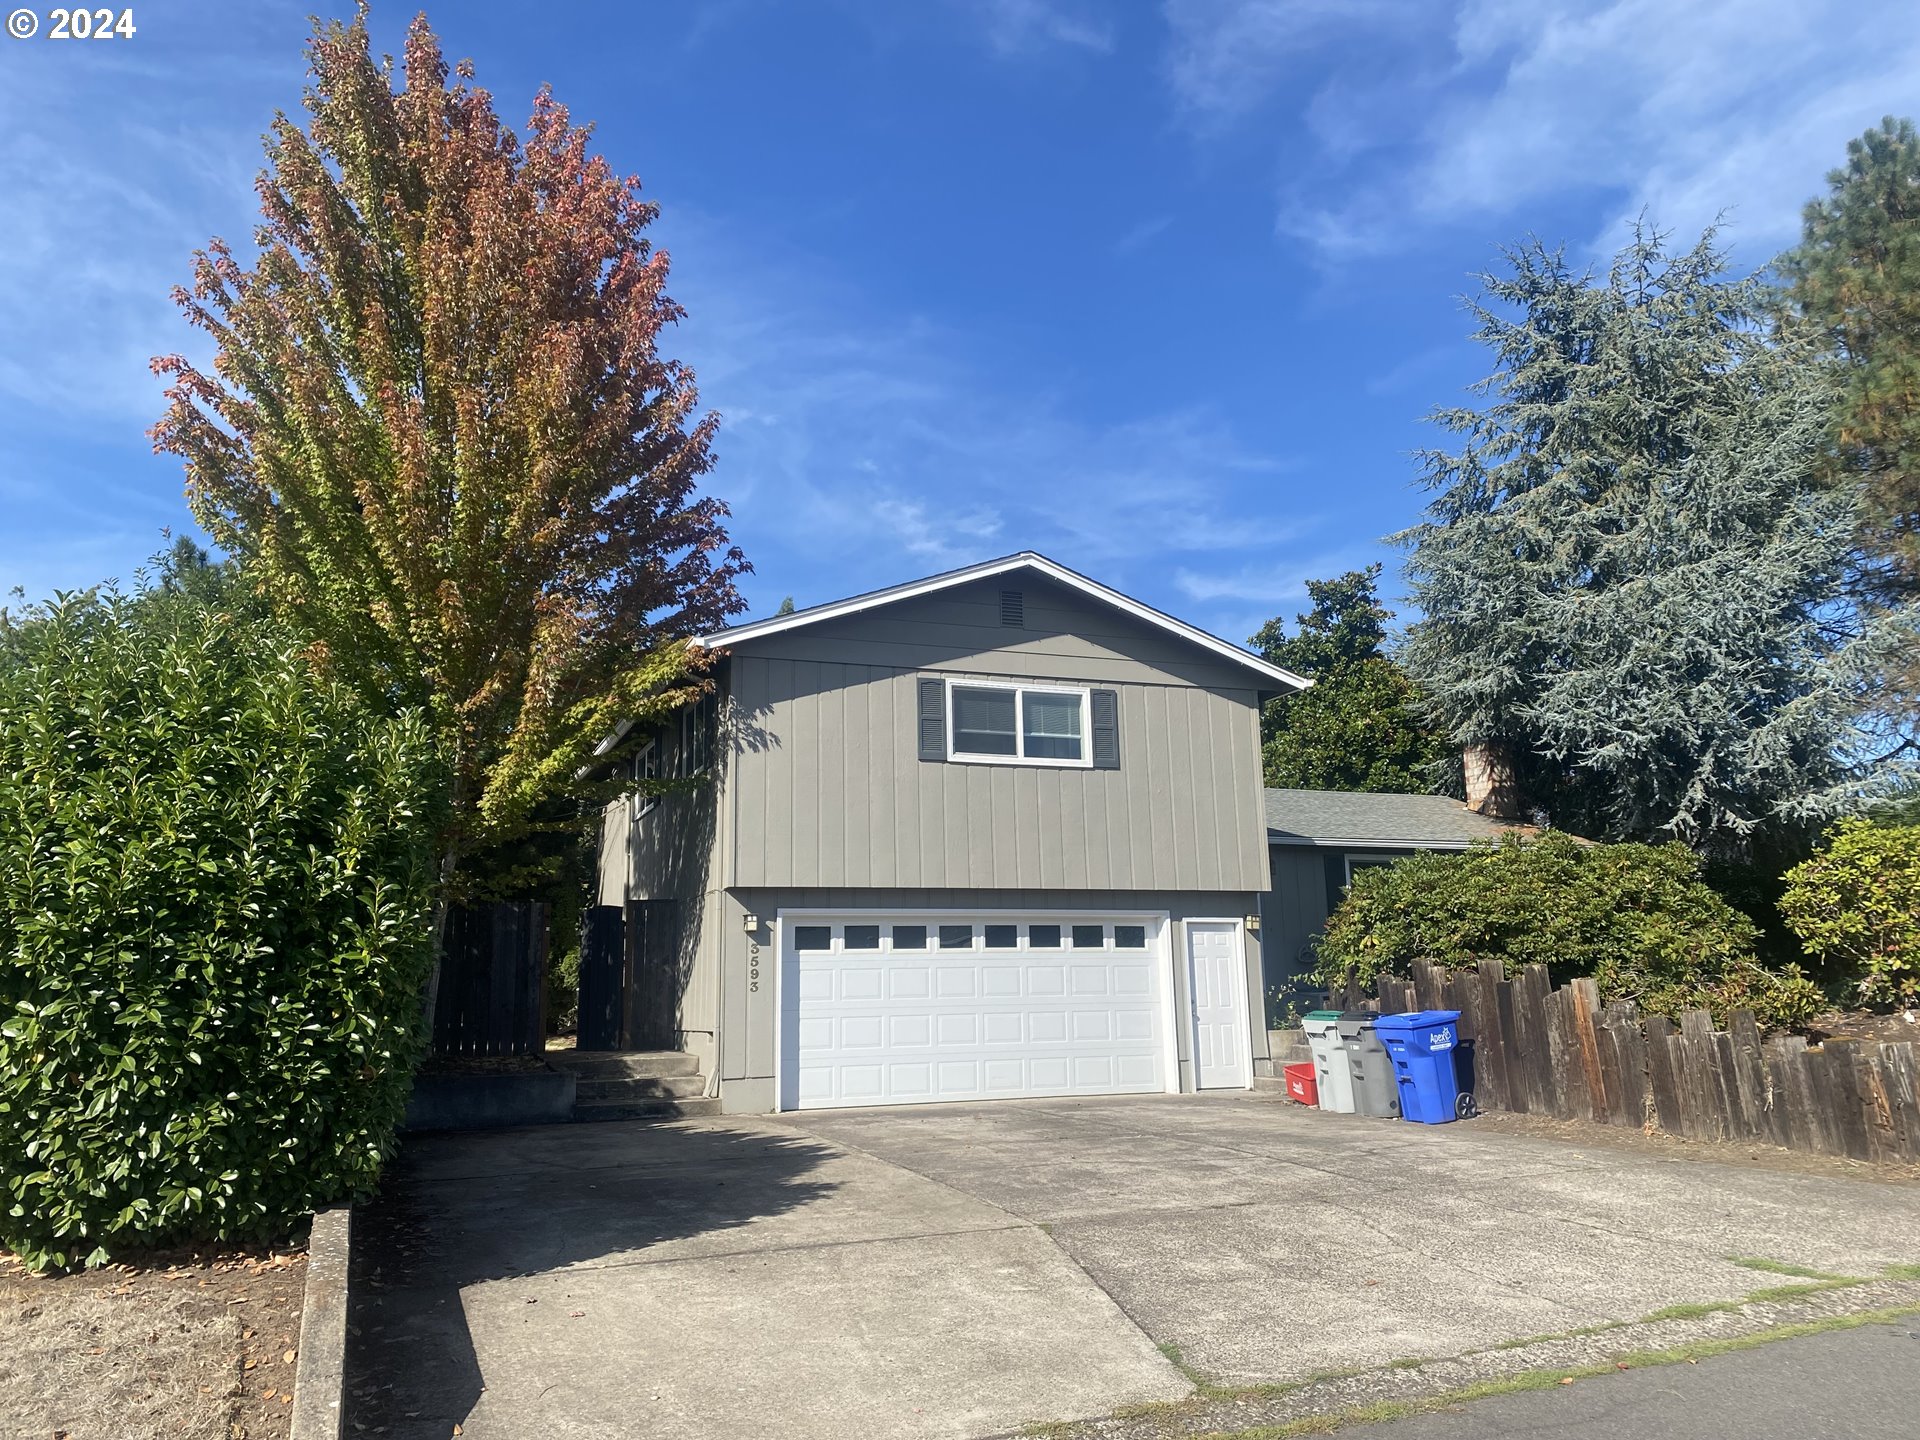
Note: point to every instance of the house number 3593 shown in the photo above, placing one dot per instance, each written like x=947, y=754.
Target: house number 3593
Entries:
x=753, y=966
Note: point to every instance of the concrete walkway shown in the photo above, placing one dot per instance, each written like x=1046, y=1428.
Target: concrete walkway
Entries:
x=959, y=1271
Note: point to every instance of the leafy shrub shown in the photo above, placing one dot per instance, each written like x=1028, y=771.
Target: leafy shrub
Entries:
x=1856, y=905
x=215, y=923
x=1637, y=918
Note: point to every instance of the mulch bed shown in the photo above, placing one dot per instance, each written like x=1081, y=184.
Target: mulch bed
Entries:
x=1865, y=1028
x=183, y=1345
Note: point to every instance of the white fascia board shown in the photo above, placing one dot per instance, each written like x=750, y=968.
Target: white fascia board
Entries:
x=1336, y=843
x=1025, y=560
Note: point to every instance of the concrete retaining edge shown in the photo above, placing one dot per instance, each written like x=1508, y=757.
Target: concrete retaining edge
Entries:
x=320, y=1372
x=489, y=1102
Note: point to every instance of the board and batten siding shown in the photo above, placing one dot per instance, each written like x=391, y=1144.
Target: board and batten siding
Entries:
x=1295, y=912
x=837, y=795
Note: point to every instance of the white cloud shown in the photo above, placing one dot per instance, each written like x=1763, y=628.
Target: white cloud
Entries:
x=1684, y=112
x=1020, y=27
x=858, y=451
x=1142, y=233
x=1276, y=581
x=1227, y=56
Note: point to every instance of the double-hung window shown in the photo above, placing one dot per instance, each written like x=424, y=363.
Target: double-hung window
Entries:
x=1017, y=724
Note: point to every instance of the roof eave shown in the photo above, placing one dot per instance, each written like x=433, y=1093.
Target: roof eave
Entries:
x=1024, y=560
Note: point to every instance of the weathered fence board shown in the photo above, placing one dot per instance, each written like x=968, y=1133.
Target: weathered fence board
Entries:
x=1532, y=1049
x=491, y=998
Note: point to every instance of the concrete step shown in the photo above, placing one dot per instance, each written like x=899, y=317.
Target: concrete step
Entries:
x=642, y=1087
x=623, y=1064
x=656, y=1109
x=1270, y=1084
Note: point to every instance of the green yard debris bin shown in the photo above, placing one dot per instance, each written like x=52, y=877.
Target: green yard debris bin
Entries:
x=1376, y=1089
x=1330, y=1070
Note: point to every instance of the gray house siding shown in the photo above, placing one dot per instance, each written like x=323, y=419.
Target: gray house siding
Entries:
x=827, y=767
x=1308, y=884
x=818, y=800
x=1293, y=911
x=1064, y=636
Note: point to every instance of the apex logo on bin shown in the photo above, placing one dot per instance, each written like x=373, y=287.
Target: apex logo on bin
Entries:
x=1441, y=1040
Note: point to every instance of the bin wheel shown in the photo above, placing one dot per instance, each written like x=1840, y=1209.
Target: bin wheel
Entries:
x=1464, y=1108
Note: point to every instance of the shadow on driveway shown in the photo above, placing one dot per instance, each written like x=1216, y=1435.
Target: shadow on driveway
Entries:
x=457, y=1211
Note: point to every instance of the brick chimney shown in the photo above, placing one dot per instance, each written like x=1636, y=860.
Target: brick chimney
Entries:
x=1492, y=789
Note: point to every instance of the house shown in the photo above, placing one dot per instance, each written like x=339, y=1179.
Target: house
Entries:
x=994, y=833
x=1316, y=839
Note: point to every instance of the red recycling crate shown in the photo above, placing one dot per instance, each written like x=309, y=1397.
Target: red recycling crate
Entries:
x=1301, y=1085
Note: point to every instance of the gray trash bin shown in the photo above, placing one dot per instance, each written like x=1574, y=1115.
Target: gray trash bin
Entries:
x=1376, y=1091
x=1331, y=1071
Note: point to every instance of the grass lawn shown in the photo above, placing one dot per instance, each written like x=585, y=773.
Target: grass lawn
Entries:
x=185, y=1347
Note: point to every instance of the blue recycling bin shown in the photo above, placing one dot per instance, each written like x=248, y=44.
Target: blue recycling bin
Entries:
x=1421, y=1047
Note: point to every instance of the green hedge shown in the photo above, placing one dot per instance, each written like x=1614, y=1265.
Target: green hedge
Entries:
x=215, y=920
x=1637, y=918
x=1856, y=907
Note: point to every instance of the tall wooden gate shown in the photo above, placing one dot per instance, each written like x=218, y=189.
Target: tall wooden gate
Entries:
x=630, y=976
x=491, y=998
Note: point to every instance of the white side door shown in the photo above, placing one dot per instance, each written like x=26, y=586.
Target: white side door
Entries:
x=1216, y=979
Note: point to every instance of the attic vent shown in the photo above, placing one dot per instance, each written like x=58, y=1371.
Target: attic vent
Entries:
x=1013, y=609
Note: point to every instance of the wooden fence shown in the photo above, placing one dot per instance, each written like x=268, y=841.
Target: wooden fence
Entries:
x=493, y=981
x=1529, y=1048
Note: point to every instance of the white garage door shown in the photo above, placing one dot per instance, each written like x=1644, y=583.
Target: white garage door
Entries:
x=903, y=1009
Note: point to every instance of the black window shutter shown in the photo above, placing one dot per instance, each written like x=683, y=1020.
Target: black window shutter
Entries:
x=933, y=719
x=1105, y=728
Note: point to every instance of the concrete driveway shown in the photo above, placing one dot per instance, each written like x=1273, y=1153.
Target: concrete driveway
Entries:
x=960, y=1271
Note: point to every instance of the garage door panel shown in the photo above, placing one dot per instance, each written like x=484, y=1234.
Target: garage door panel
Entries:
x=914, y=1025
x=914, y=983
x=860, y=983
x=860, y=1032
x=1002, y=1028
x=908, y=1030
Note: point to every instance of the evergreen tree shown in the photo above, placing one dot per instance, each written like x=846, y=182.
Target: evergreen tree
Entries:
x=1359, y=727
x=1632, y=577
x=1856, y=274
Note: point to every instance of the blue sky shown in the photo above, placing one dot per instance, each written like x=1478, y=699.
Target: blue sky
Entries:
x=1161, y=290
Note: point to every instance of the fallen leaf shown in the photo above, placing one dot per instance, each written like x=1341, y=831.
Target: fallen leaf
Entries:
x=457, y=1430
x=269, y=1394
x=1566, y=1380
x=287, y=1359
x=252, y=1360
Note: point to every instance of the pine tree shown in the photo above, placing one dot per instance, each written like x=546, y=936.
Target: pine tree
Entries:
x=1631, y=577
x=1359, y=727
x=440, y=433
x=1856, y=274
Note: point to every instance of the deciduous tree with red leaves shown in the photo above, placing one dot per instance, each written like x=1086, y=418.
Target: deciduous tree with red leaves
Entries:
x=439, y=430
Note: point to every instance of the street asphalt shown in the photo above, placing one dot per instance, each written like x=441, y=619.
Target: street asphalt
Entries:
x=1838, y=1386
x=954, y=1272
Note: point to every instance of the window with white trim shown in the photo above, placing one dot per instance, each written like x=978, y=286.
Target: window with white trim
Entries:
x=1011, y=724
x=646, y=768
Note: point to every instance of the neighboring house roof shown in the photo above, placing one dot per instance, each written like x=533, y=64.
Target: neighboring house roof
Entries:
x=1025, y=560
x=1400, y=822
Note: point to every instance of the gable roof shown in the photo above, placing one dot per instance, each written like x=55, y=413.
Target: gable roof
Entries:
x=1025, y=560
x=1402, y=822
